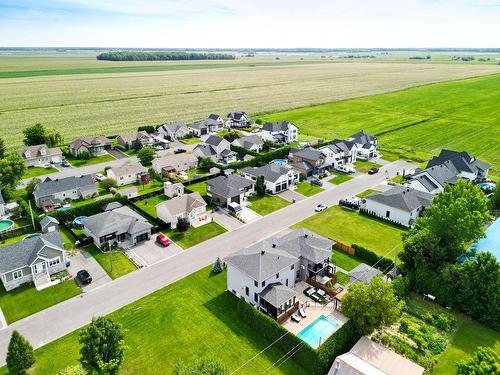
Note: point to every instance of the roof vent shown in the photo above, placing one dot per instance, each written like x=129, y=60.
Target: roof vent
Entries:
x=306, y=235
x=262, y=252
x=274, y=245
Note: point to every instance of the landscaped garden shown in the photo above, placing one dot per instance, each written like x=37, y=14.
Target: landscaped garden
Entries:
x=38, y=171
x=26, y=300
x=191, y=318
x=194, y=236
x=350, y=227
x=338, y=178
x=78, y=163
x=149, y=204
x=308, y=189
x=115, y=264
x=267, y=204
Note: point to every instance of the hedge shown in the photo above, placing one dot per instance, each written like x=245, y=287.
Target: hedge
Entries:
x=371, y=258
x=260, y=160
x=89, y=209
x=244, y=151
x=16, y=232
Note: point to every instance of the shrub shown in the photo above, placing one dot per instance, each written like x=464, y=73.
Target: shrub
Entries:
x=217, y=268
x=372, y=258
x=147, y=128
x=401, y=287
x=403, y=326
x=108, y=183
x=89, y=209
x=435, y=344
x=20, y=355
x=182, y=224
x=84, y=155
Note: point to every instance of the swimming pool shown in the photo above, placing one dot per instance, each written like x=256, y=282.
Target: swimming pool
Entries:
x=65, y=208
x=78, y=220
x=491, y=242
x=280, y=161
x=319, y=330
x=5, y=224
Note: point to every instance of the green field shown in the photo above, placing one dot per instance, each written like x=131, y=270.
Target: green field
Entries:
x=115, y=265
x=267, y=204
x=460, y=115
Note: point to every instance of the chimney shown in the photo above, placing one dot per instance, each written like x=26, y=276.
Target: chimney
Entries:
x=306, y=235
x=274, y=245
x=262, y=252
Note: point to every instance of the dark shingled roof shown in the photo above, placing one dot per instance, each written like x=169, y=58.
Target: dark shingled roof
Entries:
x=308, y=153
x=461, y=160
x=214, y=140
x=276, y=127
x=49, y=187
x=229, y=186
x=271, y=172
x=403, y=198
x=363, y=137
x=277, y=294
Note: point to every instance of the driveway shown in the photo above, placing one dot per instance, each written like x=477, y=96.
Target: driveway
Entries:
x=117, y=154
x=247, y=215
x=83, y=260
x=290, y=195
x=149, y=252
x=221, y=217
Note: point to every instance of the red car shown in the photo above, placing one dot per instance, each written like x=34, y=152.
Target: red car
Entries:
x=163, y=240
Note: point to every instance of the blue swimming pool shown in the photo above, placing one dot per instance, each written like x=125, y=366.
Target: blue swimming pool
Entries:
x=319, y=330
x=280, y=161
x=491, y=242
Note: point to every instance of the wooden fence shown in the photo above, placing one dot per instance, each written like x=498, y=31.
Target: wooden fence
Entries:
x=343, y=247
x=330, y=291
x=288, y=314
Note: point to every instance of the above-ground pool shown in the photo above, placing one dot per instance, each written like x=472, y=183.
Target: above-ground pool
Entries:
x=487, y=186
x=32, y=236
x=78, y=220
x=318, y=331
x=6, y=224
x=280, y=161
x=491, y=242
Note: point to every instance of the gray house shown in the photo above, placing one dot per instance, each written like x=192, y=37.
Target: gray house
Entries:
x=276, y=177
x=250, y=142
x=216, y=148
x=173, y=131
x=32, y=260
x=40, y=154
x=95, y=145
x=228, y=189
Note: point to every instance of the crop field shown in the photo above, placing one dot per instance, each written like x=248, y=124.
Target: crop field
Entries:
x=418, y=122
x=113, y=101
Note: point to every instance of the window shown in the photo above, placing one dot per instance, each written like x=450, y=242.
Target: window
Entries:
x=263, y=284
x=278, y=275
x=387, y=213
x=256, y=284
x=17, y=274
x=256, y=297
x=286, y=282
x=247, y=291
x=55, y=261
x=292, y=266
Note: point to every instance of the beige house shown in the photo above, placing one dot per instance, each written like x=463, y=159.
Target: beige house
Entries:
x=189, y=206
x=38, y=155
x=127, y=139
x=172, y=190
x=175, y=163
x=95, y=145
x=127, y=173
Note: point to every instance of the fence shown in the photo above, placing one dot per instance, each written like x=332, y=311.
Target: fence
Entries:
x=345, y=248
x=16, y=232
x=288, y=314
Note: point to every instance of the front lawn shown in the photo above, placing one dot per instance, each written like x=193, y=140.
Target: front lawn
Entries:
x=115, y=265
x=194, y=236
x=342, y=278
x=191, y=141
x=349, y=227
x=38, y=171
x=149, y=204
x=345, y=261
x=78, y=163
x=339, y=178
x=26, y=300
x=192, y=318
x=267, y=204
x=366, y=193
x=308, y=189
x=365, y=166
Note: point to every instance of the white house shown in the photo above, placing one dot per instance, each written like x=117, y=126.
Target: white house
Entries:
x=2, y=204
x=175, y=163
x=40, y=154
x=189, y=206
x=237, y=120
x=283, y=132
x=127, y=173
x=339, y=153
x=276, y=177
x=172, y=190
x=400, y=204
x=366, y=144
x=217, y=149
x=210, y=125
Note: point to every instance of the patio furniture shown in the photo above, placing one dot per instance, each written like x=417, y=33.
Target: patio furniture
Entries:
x=315, y=297
x=309, y=291
x=322, y=293
x=302, y=313
x=296, y=318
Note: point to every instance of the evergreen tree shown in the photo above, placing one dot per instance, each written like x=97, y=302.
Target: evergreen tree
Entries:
x=20, y=356
x=260, y=186
x=217, y=268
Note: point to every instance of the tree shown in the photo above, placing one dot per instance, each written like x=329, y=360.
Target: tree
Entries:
x=108, y=183
x=34, y=135
x=30, y=187
x=136, y=145
x=182, y=224
x=260, y=186
x=2, y=148
x=72, y=370
x=20, y=355
x=102, y=347
x=231, y=135
x=217, y=268
x=371, y=306
x=495, y=199
x=202, y=366
x=84, y=155
x=484, y=361
x=12, y=168
x=146, y=155
x=53, y=138
x=205, y=163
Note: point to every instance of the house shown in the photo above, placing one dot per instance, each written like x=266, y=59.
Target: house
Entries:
x=51, y=194
x=95, y=145
x=127, y=173
x=2, y=204
x=32, y=260
x=172, y=190
x=265, y=273
x=339, y=153
x=400, y=204
x=227, y=189
x=210, y=125
x=276, y=177
x=173, y=131
x=308, y=161
x=189, y=206
x=217, y=149
x=175, y=163
x=49, y=224
x=199, y=128
x=250, y=142
x=366, y=144
x=126, y=140
x=38, y=155
x=237, y=120
x=120, y=227
x=371, y=358
x=216, y=119
x=283, y=132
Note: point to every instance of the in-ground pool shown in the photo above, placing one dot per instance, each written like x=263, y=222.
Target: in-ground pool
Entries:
x=78, y=220
x=491, y=242
x=319, y=330
x=487, y=186
x=64, y=208
x=280, y=161
x=5, y=224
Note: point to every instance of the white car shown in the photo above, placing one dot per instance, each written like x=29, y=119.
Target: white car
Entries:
x=99, y=177
x=320, y=207
x=159, y=148
x=47, y=165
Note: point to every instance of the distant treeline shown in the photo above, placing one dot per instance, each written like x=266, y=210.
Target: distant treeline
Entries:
x=162, y=56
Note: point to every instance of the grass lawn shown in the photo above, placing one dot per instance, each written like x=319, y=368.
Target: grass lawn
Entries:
x=149, y=204
x=200, y=187
x=267, y=204
x=191, y=141
x=365, y=166
x=398, y=179
x=199, y=172
x=121, y=264
x=345, y=261
x=38, y=171
x=390, y=156
x=26, y=300
x=15, y=239
x=339, y=178
x=78, y=163
x=189, y=319
x=153, y=185
x=307, y=189
x=349, y=227
x=194, y=236
x=342, y=278
x=69, y=240
x=366, y=193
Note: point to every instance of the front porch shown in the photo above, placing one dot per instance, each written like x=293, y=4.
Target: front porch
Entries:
x=41, y=276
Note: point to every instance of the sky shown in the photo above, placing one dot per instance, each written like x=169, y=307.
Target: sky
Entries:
x=250, y=23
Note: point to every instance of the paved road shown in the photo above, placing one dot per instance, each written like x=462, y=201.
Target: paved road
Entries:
x=52, y=323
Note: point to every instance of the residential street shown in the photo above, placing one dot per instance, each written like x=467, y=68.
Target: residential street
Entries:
x=52, y=323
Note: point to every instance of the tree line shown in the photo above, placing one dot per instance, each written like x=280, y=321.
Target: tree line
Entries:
x=162, y=56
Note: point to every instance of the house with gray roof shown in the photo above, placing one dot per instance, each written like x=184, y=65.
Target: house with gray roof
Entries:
x=237, y=120
x=51, y=194
x=128, y=173
x=173, y=131
x=282, y=132
x=210, y=125
x=250, y=142
x=400, y=204
x=188, y=206
x=32, y=260
x=363, y=273
x=118, y=228
x=49, y=224
x=265, y=273
x=308, y=161
x=276, y=177
x=217, y=149
x=96, y=145
x=366, y=144
x=339, y=153
x=35, y=156
x=228, y=189
x=127, y=139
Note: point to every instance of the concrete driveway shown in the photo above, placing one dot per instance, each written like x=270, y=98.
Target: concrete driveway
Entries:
x=117, y=154
x=223, y=218
x=84, y=261
x=150, y=252
x=290, y=195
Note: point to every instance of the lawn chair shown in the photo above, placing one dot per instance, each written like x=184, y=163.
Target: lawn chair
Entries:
x=302, y=313
x=296, y=318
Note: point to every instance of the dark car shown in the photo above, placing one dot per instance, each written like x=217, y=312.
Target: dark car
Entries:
x=316, y=182
x=65, y=164
x=179, y=151
x=84, y=277
x=373, y=170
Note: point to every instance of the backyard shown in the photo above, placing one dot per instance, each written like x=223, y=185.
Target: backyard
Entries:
x=338, y=178
x=346, y=261
x=194, y=236
x=200, y=187
x=78, y=163
x=149, y=204
x=115, y=265
x=349, y=227
x=267, y=204
x=308, y=189
x=38, y=171
x=142, y=189
x=158, y=334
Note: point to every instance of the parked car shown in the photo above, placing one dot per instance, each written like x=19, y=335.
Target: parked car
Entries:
x=320, y=207
x=65, y=164
x=84, y=277
x=99, y=177
x=47, y=165
x=159, y=148
x=234, y=208
x=345, y=169
x=179, y=151
x=163, y=240
x=373, y=170
x=316, y=182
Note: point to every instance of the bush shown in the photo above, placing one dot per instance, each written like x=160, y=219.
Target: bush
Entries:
x=401, y=287
x=84, y=155
x=147, y=128
x=217, y=268
x=371, y=258
x=436, y=345
x=92, y=208
x=403, y=326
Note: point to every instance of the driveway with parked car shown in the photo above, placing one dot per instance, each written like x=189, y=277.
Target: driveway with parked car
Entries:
x=151, y=252
x=84, y=261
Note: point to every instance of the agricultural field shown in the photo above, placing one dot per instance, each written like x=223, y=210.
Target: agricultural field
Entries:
x=55, y=91
x=418, y=122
